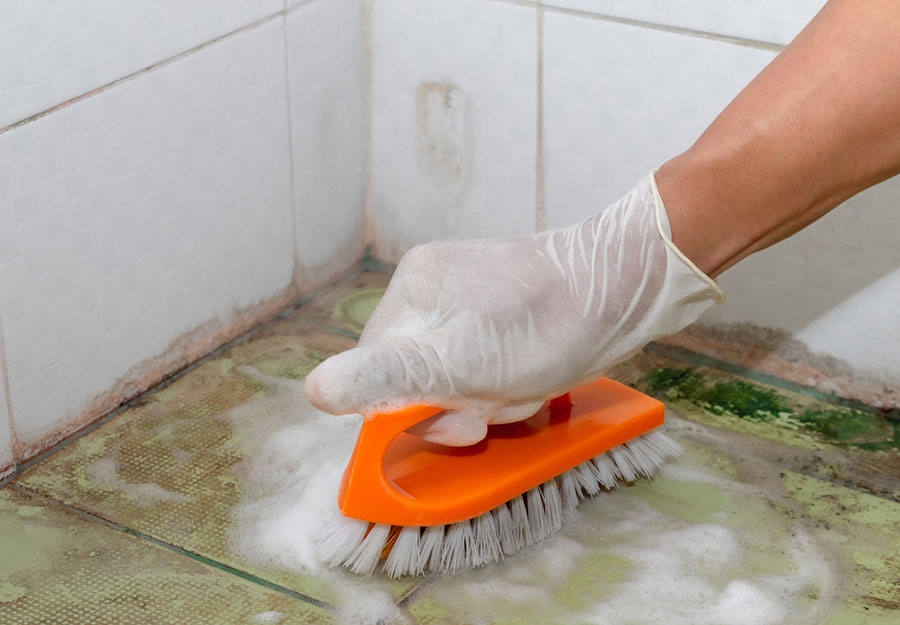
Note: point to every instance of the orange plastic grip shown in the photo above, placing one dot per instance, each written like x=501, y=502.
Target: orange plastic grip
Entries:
x=396, y=478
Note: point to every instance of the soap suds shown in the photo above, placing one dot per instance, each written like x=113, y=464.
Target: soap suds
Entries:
x=294, y=457
x=619, y=558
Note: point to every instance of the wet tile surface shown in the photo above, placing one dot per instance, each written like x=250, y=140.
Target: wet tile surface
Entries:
x=777, y=489
x=57, y=568
x=170, y=466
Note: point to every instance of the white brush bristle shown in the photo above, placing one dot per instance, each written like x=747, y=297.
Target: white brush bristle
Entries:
x=518, y=523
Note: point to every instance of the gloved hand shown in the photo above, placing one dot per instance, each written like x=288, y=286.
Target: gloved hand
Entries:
x=491, y=329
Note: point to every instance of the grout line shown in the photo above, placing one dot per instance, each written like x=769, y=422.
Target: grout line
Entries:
x=521, y=3
x=404, y=600
x=541, y=208
x=141, y=72
x=288, y=10
x=324, y=326
x=13, y=438
x=89, y=516
x=297, y=277
x=678, y=30
x=367, y=60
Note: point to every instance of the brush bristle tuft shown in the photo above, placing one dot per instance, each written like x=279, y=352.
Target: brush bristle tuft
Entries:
x=518, y=523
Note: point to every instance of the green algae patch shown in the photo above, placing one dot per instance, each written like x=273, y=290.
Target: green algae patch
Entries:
x=845, y=425
x=720, y=399
x=732, y=396
x=662, y=378
x=353, y=311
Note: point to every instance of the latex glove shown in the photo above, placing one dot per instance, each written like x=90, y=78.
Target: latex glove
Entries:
x=491, y=329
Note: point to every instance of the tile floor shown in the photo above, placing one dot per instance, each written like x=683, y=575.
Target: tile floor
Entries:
x=130, y=522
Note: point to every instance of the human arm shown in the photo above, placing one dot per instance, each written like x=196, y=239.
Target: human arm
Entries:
x=818, y=125
x=490, y=329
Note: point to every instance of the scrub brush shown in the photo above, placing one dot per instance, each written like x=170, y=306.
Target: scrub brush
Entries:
x=410, y=505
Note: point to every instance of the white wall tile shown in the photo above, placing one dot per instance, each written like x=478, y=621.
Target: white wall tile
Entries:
x=53, y=51
x=774, y=21
x=453, y=121
x=137, y=214
x=6, y=453
x=620, y=100
x=326, y=74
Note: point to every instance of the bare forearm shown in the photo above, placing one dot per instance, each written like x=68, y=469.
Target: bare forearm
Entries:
x=818, y=125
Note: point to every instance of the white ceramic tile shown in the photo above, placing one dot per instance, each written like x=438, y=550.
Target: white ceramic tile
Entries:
x=53, y=51
x=137, y=214
x=453, y=121
x=326, y=64
x=774, y=21
x=6, y=453
x=620, y=100
x=834, y=286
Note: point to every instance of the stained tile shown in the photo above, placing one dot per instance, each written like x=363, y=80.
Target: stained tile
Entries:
x=173, y=466
x=348, y=305
x=56, y=567
x=325, y=67
x=6, y=454
x=848, y=445
x=775, y=21
x=454, y=128
x=716, y=528
x=135, y=215
x=53, y=51
x=620, y=100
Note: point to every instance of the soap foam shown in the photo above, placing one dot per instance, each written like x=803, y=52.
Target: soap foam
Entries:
x=294, y=457
x=677, y=573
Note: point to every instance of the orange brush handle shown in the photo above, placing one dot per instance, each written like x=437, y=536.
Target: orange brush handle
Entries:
x=399, y=479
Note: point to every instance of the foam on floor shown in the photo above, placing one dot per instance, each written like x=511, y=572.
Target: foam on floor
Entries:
x=620, y=558
x=294, y=459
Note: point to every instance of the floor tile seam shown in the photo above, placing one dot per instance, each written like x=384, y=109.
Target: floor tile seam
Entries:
x=153, y=540
x=323, y=326
x=142, y=71
x=669, y=28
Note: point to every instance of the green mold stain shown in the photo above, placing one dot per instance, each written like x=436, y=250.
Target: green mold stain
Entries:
x=663, y=378
x=10, y=592
x=354, y=310
x=725, y=396
x=844, y=425
x=832, y=424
